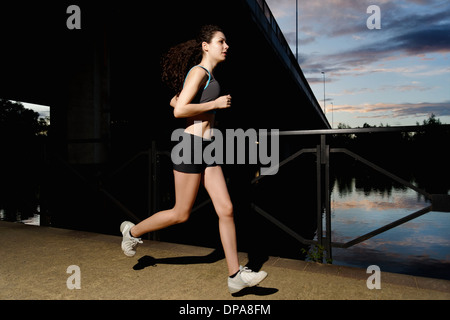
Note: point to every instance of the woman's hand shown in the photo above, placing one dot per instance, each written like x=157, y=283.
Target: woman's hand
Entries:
x=222, y=102
x=174, y=101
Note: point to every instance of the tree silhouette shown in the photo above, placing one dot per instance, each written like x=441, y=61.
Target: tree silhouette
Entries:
x=419, y=156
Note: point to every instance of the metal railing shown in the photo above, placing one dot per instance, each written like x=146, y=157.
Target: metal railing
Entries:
x=322, y=152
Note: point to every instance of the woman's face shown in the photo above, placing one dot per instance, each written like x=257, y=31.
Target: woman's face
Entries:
x=217, y=48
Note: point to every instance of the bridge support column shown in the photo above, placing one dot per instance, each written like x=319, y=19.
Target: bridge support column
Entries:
x=88, y=106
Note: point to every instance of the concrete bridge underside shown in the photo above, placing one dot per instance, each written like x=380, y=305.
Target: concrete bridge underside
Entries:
x=107, y=74
x=103, y=84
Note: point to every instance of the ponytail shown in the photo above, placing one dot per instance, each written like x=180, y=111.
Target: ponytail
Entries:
x=177, y=62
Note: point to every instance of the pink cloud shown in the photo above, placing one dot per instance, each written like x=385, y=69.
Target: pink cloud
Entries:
x=391, y=110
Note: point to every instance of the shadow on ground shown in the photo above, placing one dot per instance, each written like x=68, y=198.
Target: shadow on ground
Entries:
x=255, y=263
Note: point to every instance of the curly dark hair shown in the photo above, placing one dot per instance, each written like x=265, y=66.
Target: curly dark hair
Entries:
x=181, y=58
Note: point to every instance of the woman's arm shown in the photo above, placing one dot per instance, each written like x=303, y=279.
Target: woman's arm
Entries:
x=182, y=105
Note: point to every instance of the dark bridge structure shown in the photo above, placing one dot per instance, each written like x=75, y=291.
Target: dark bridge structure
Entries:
x=103, y=81
x=110, y=116
x=107, y=153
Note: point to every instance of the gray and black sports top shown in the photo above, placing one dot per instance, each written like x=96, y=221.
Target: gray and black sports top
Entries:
x=210, y=92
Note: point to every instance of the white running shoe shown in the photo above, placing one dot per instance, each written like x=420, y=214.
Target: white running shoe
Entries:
x=129, y=243
x=245, y=278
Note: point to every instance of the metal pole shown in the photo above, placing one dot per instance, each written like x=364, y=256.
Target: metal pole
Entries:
x=324, y=104
x=296, y=30
x=152, y=183
x=150, y=186
x=332, y=115
x=319, y=195
x=326, y=161
x=155, y=177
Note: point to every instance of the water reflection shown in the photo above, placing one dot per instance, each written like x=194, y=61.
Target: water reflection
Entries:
x=419, y=247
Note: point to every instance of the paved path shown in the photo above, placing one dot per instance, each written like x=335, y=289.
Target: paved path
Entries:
x=34, y=262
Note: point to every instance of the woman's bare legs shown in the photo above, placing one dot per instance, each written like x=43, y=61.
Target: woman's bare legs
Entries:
x=215, y=184
x=186, y=188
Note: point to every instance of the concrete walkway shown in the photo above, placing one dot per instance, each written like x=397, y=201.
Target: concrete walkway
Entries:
x=34, y=263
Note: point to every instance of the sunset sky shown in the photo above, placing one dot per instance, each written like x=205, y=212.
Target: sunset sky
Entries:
x=396, y=75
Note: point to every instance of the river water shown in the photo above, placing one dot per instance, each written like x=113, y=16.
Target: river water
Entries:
x=419, y=247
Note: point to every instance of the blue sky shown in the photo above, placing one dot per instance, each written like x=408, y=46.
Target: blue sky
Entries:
x=396, y=75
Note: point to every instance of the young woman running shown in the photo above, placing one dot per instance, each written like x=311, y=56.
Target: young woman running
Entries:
x=188, y=68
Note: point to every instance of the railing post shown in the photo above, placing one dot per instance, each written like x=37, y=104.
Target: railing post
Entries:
x=319, y=194
x=150, y=182
x=152, y=185
x=326, y=161
x=323, y=169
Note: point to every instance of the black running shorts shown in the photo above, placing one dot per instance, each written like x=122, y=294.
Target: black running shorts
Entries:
x=190, y=166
